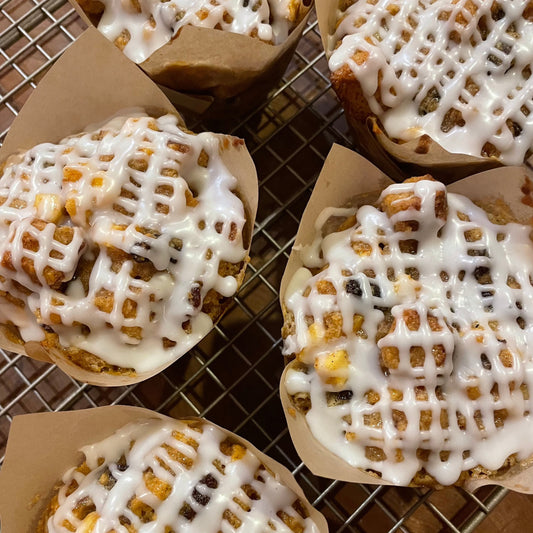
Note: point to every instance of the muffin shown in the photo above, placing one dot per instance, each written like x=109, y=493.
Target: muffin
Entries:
x=121, y=246
x=408, y=332
x=179, y=46
x=140, y=27
x=163, y=475
x=438, y=77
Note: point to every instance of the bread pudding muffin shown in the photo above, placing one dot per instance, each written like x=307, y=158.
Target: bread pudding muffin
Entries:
x=121, y=246
x=452, y=75
x=182, y=475
x=408, y=330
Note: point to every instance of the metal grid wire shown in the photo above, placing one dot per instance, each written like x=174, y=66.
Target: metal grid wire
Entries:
x=232, y=376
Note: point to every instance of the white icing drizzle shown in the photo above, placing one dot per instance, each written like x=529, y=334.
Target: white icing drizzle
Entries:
x=476, y=54
x=127, y=191
x=474, y=303
x=198, y=494
x=152, y=23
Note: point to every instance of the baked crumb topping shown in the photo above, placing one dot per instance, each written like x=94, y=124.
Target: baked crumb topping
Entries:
x=163, y=476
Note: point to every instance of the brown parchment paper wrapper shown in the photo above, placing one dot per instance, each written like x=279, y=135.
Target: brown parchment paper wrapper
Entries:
x=91, y=82
x=349, y=179
x=217, y=72
x=399, y=161
x=31, y=471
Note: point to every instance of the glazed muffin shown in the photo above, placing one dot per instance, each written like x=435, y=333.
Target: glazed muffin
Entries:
x=452, y=74
x=121, y=246
x=408, y=330
x=163, y=476
x=140, y=27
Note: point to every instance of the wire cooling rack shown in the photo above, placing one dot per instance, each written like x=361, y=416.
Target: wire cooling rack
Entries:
x=232, y=376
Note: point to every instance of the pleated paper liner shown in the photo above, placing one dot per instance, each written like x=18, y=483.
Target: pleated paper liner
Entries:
x=399, y=161
x=215, y=73
x=91, y=82
x=43, y=446
x=347, y=179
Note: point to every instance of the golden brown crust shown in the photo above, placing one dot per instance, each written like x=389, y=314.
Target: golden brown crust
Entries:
x=82, y=358
x=414, y=155
x=214, y=305
x=51, y=508
x=12, y=299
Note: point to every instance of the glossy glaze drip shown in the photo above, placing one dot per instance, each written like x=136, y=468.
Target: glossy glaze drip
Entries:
x=117, y=204
x=440, y=63
x=197, y=485
x=454, y=360
x=143, y=26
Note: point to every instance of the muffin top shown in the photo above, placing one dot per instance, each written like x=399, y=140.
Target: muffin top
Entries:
x=121, y=241
x=140, y=27
x=412, y=335
x=459, y=72
x=183, y=475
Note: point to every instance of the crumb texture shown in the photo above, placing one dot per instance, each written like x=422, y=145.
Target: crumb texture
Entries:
x=162, y=477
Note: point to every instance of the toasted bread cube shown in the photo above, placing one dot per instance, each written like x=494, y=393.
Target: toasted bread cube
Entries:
x=49, y=207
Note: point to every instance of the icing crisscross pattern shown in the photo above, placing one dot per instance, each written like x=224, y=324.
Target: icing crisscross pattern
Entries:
x=125, y=237
x=413, y=339
x=459, y=72
x=140, y=27
x=174, y=476
x=42, y=253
